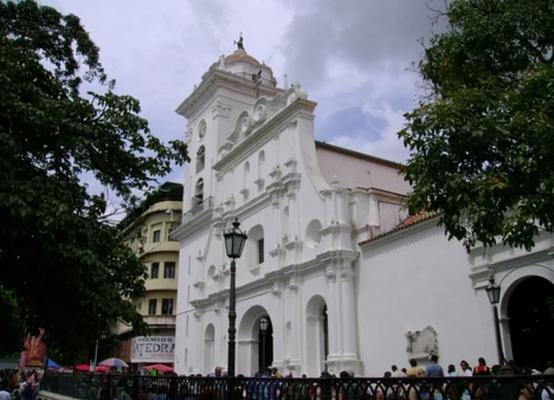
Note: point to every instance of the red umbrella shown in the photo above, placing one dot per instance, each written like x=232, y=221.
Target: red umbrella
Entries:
x=82, y=368
x=159, y=367
x=102, y=369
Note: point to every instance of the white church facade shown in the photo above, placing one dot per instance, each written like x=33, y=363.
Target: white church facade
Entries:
x=342, y=280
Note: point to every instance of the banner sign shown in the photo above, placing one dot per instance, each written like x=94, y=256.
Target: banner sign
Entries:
x=152, y=349
x=34, y=355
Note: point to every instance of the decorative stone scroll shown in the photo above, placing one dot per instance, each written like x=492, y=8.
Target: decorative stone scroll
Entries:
x=422, y=344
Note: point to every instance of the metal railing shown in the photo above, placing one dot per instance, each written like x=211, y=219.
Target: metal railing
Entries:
x=126, y=387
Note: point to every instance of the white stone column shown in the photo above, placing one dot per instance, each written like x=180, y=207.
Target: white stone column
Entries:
x=343, y=343
x=333, y=315
x=277, y=321
x=348, y=312
x=294, y=316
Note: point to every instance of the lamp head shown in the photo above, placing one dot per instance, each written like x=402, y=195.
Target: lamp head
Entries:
x=493, y=292
x=264, y=324
x=234, y=240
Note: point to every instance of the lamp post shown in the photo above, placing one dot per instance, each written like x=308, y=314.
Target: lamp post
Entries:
x=493, y=292
x=264, y=324
x=234, y=244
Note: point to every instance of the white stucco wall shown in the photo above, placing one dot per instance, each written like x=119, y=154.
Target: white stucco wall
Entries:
x=353, y=170
x=412, y=281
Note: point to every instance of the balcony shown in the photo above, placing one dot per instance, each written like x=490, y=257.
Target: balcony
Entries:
x=199, y=207
x=159, y=320
x=164, y=246
x=162, y=284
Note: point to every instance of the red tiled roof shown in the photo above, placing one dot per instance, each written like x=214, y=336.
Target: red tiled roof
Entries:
x=407, y=222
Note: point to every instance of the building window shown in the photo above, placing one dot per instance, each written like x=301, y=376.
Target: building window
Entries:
x=198, y=199
x=167, y=306
x=260, y=250
x=169, y=270
x=156, y=235
x=154, y=270
x=152, y=306
x=200, y=159
x=254, y=247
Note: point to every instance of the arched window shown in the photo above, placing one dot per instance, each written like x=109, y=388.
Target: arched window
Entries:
x=256, y=246
x=198, y=199
x=200, y=159
x=261, y=170
x=261, y=164
x=246, y=172
x=245, y=180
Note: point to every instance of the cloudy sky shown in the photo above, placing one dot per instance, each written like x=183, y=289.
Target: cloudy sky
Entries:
x=353, y=57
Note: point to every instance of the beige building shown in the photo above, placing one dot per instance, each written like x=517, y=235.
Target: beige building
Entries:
x=148, y=235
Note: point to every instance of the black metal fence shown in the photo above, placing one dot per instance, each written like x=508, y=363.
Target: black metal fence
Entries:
x=126, y=387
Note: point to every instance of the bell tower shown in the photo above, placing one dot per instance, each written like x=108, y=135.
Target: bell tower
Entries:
x=230, y=86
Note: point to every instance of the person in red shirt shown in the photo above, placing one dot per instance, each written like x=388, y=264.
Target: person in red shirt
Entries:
x=481, y=368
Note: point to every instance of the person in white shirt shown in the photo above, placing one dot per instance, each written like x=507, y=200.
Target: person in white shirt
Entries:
x=466, y=369
x=396, y=373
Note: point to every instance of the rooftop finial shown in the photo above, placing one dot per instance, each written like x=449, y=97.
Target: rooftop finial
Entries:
x=239, y=43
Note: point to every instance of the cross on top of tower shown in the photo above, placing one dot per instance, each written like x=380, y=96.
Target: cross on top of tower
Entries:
x=240, y=43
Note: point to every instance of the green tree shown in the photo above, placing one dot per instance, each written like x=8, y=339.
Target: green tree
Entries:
x=66, y=265
x=11, y=325
x=482, y=143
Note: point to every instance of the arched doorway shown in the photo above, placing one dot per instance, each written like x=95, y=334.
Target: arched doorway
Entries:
x=252, y=342
x=531, y=316
x=265, y=343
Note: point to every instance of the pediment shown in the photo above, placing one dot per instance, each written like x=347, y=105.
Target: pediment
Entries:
x=263, y=110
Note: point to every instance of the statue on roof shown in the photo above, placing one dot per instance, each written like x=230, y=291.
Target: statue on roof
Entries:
x=239, y=43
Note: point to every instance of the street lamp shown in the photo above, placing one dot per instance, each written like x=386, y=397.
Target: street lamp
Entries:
x=264, y=324
x=234, y=244
x=493, y=292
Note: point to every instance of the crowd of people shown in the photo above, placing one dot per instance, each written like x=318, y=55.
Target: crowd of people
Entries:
x=24, y=384
x=433, y=369
x=19, y=384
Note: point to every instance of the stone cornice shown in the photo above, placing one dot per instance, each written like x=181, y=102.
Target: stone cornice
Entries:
x=481, y=273
x=199, y=222
x=337, y=255
x=210, y=81
x=385, y=195
x=266, y=282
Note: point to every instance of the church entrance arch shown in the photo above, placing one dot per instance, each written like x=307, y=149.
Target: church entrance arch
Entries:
x=255, y=346
x=531, y=321
x=317, y=330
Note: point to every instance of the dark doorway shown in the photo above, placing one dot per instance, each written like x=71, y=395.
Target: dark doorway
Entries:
x=265, y=353
x=325, y=335
x=531, y=314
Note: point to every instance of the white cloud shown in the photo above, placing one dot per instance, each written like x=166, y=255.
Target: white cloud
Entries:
x=387, y=145
x=352, y=56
